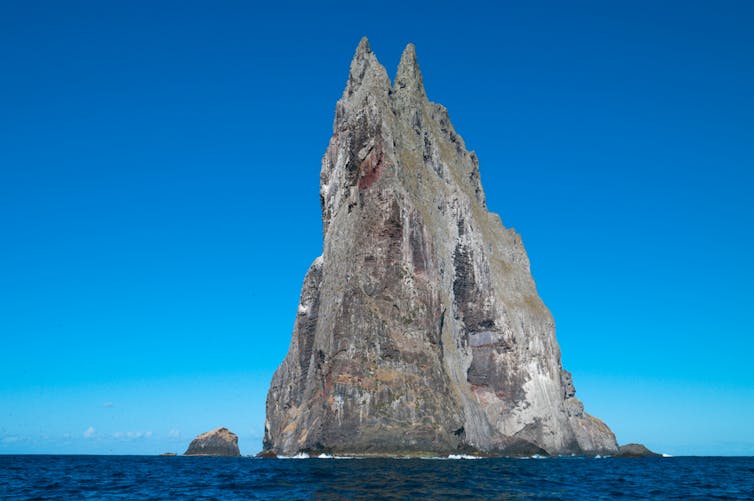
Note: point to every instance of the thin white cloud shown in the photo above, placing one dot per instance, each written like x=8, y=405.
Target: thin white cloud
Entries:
x=132, y=435
x=10, y=439
x=174, y=433
x=107, y=404
x=89, y=433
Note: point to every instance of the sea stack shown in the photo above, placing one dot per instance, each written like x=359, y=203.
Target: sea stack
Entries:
x=219, y=442
x=419, y=330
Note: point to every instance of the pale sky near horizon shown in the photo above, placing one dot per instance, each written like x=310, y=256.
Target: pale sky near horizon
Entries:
x=159, y=206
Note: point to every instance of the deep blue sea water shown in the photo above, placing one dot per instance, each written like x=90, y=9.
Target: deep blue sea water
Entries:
x=152, y=477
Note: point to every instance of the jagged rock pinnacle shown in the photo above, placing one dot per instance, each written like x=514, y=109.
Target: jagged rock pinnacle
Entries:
x=366, y=71
x=367, y=79
x=419, y=329
x=363, y=47
x=408, y=78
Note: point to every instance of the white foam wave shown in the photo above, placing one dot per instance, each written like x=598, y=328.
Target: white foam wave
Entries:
x=300, y=455
x=445, y=458
x=304, y=455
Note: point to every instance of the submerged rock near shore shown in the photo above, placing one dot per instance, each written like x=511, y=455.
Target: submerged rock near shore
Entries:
x=419, y=330
x=219, y=442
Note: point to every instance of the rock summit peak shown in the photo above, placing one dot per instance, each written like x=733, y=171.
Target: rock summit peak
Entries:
x=409, y=76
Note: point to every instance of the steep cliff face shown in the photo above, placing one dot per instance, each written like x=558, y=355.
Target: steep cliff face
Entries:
x=419, y=328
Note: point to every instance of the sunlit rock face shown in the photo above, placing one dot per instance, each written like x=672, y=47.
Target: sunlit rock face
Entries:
x=219, y=442
x=419, y=329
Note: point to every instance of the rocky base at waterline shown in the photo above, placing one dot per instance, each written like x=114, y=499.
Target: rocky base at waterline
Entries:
x=219, y=442
x=625, y=451
x=636, y=451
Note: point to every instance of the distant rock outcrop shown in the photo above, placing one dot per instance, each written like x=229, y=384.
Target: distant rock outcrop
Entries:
x=219, y=442
x=419, y=329
x=635, y=451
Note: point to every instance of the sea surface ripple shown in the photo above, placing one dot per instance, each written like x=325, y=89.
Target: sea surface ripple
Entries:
x=153, y=477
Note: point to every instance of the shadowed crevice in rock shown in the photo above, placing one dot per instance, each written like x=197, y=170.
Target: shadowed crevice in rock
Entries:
x=419, y=329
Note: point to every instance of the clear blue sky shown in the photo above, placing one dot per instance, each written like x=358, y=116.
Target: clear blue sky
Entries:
x=159, y=170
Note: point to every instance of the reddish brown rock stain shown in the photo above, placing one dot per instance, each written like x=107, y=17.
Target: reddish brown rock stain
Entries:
x=371, y=168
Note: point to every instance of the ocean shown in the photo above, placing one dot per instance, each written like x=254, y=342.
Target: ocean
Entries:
x=154, y=477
